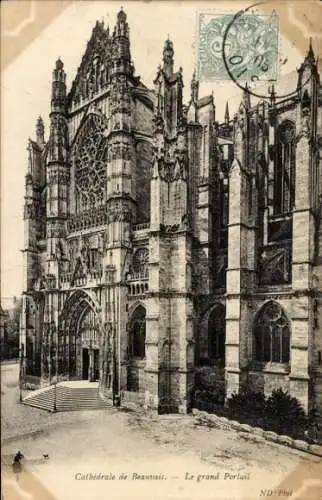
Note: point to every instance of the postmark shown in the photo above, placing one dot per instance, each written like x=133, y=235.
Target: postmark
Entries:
x=242, y=46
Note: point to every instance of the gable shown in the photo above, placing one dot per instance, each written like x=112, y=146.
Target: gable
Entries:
x=92, y=74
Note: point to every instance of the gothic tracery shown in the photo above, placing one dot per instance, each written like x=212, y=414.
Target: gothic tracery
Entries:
x=90, y=157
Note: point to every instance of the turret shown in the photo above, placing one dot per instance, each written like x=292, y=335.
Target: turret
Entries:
x=58, y=125
x=58, y=174
x=121, y=42
x=58, y=99
x=40, y=132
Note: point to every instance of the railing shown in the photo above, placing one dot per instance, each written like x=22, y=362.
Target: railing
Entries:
x=89, y=218
x=93, y=277
x=141, y=227
x=66, y=277
x=138, y=288
x=141, y=275
x=138, y=282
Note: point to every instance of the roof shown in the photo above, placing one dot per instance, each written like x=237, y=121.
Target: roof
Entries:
x=204, y=101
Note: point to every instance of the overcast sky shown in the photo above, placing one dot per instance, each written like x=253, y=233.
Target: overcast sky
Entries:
x=26, y=85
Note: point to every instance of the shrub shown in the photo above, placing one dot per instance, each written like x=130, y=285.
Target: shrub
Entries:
x=280, y=412
x=247, y=406
x=208, y=400
x=284, y=414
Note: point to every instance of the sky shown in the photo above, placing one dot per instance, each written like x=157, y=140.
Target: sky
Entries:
x=26, y=86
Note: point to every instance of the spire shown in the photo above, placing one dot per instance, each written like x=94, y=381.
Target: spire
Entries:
x=227, y=114
x=168, y=57
x=310, y=55
x=194, y=88
x=40, y=131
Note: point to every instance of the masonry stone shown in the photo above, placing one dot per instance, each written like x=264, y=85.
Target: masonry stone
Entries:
x=157, y=244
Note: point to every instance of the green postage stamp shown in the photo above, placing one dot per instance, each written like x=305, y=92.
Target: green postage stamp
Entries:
x=240, y=47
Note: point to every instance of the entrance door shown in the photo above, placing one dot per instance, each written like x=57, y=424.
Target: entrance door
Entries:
x=96, y=365
x=85, y=364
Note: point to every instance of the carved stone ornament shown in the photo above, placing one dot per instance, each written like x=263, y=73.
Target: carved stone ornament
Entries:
x=305, y=130
x=275, y=266
x=171, y=170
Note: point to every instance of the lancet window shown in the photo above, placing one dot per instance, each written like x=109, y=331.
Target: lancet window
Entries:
x=141, y=262
x=284, y=169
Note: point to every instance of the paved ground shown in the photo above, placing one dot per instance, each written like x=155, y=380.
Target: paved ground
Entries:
x=123, y=448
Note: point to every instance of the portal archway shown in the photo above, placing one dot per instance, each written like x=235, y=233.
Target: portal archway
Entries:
x=79, y=338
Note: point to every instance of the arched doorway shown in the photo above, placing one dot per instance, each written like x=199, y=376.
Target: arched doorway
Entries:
x=217, y=335
x=79, y=339
x=137, y=334
x=88, y=331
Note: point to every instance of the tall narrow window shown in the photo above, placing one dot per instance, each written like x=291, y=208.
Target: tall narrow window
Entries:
x=217, y=335
x=284, y=169
x=272, y=334
x=137, y=333
x=141, y=262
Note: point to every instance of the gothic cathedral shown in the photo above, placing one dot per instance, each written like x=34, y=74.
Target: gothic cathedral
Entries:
x=159, y=240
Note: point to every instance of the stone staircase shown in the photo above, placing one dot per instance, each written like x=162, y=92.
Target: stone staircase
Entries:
x=70, y=396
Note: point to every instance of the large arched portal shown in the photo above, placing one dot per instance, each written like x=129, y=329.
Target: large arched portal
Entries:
x=79, y=339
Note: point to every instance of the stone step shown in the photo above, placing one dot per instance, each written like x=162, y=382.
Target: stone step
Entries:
x=67, y=398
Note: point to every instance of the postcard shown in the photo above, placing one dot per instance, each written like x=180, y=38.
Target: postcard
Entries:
x=161, y=264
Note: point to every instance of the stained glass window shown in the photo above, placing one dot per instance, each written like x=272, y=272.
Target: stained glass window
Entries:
x=90, y=156
x=272, y=334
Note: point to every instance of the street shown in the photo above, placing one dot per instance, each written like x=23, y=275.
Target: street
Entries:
x=121, y=454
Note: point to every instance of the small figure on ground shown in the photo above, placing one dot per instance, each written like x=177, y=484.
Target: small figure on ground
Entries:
x=17, y=466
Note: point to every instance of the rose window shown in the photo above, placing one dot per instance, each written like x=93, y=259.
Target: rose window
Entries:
x=90, y=156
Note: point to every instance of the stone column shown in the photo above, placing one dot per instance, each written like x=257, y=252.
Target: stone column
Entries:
x=240, y=276
x=302, y=317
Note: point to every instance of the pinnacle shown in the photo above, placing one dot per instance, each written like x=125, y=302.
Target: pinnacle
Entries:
x=121, y=16
x=310, y=54
x=59, y=63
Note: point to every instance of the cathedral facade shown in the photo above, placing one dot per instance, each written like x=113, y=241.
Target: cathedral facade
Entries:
x=159, y=240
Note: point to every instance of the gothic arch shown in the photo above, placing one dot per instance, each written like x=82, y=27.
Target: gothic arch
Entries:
x=80, y=307
x=217, y=334
x=75, y=297
x=271, y=334
x=212, y=336
x=133, y=306
x=137, y=332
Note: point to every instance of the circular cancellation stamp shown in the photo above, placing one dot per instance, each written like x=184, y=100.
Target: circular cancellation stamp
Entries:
x=241, y=46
